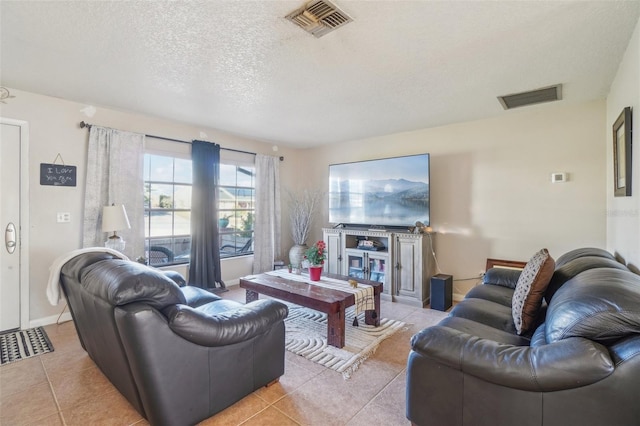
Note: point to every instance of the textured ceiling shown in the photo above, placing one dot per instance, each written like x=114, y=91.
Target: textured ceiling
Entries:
x=239, y=66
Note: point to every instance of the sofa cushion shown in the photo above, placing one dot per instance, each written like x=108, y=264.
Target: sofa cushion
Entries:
x=222, y=305
x=485, y=312
x=504, y=277
x=483, y=331
x=532, y=283
x=122, y=281
x=582, y=252
x=599, y=304
x=196, y=296
x=493, y=293
x=570, y=269
x=75, y=267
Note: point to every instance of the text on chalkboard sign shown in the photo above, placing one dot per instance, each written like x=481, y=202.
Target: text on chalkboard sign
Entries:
x=57, y=175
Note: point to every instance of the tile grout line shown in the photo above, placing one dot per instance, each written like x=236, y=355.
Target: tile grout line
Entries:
x=285, y=414
x=269, y=405
x=371, y=401
x=53, y=393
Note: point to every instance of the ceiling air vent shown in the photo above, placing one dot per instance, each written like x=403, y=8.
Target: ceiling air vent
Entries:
x=319, y=17
x=546, y=94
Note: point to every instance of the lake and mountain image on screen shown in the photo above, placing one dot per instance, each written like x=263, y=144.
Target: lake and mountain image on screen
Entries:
x=388, y=192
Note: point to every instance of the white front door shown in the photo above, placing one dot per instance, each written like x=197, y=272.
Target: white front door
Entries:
x=10, y=222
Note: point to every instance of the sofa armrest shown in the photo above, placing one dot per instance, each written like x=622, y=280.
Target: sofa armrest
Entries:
x=228, y=327
x=502, y=277
x=566, y=364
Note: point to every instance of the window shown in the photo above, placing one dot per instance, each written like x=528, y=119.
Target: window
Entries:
x=167, y=206
x=236, y=210
x=167, y=209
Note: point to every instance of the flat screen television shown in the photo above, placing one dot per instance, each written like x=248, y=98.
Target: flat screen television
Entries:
x=389, y=192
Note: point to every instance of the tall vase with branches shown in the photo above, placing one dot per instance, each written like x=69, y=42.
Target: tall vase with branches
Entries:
x=302, y=208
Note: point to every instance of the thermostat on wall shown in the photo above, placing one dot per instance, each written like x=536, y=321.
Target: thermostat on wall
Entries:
x=558, y=177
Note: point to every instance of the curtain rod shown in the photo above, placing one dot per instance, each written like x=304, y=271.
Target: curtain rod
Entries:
x=84, y=124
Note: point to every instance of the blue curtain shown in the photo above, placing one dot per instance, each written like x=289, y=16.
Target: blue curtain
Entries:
x=204, y=270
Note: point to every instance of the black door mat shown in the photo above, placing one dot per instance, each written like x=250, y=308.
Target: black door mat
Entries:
x=23, y=344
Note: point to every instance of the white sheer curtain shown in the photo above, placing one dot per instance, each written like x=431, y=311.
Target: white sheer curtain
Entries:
x=267, y=229
x=114, y=175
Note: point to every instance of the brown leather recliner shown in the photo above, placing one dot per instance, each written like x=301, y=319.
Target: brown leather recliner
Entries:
x=178, y=354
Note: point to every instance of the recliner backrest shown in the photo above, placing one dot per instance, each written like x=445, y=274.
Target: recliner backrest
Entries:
x=582, y=252
x=600, y=304
x=570, y=269
x=120, y=282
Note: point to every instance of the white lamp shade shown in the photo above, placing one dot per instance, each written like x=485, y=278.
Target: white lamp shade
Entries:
x=114, y=218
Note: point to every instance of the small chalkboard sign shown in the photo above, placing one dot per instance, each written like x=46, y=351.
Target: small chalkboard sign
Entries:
x=57, y=175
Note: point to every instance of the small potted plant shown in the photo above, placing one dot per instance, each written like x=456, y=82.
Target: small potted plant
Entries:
x=315, y=255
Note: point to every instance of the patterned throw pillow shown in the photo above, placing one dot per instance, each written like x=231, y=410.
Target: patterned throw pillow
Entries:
x=527, y=297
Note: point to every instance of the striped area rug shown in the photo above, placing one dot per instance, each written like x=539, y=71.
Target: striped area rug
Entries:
x=23, y=344
x=306, y=335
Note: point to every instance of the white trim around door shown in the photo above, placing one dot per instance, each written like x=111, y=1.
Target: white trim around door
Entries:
x=24, y=218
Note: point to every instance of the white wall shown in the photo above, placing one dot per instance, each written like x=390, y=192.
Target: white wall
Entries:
x=491, y=190
x=623, y=213
x=54, y=128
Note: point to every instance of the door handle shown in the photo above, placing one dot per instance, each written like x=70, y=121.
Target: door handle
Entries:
x=10, y=238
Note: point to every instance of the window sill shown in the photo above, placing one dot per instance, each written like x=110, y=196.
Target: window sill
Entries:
x=239, y=256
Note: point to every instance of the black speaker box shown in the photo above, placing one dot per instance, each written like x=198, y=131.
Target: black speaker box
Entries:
x=441, y=292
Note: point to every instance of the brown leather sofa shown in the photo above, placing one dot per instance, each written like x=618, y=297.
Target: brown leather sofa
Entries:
x=579, y=366
x=178, y=354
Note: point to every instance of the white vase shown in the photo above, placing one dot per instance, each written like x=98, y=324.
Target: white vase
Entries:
x=296, y=255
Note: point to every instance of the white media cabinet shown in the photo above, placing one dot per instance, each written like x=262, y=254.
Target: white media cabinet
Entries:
x=402, y=261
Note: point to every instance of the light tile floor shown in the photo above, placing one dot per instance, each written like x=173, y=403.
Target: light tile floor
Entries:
x=65, y=387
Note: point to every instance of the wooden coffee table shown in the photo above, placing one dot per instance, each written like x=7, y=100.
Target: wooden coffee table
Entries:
x=329, y=301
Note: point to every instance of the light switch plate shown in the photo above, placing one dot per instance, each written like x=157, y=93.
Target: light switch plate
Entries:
x=64, y=217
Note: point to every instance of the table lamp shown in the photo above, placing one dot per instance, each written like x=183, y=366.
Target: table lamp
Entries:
x=114, y=218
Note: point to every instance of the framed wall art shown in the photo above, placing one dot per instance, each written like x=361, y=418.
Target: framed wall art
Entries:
x=622, y=154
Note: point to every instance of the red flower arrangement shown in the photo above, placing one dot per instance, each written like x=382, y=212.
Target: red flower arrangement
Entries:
x=316, y=254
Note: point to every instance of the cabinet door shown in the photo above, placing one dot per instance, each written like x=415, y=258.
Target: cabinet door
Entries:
x=378, y=268
x=333, y=263
x=356, y=264
x=409, y=264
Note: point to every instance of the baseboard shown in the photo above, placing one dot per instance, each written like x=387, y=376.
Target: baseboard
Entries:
x=41, y=322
